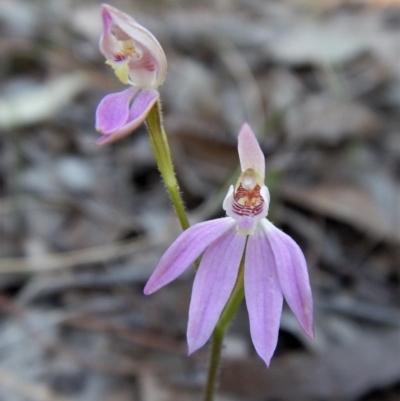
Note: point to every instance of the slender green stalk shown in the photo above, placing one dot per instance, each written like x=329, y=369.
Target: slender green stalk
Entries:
x=159, y=143
x=215, y=356
x=219, y=332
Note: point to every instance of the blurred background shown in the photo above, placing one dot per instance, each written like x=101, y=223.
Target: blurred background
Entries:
x=82, y=227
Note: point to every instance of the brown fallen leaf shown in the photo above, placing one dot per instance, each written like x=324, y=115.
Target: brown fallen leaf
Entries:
x=327, y=119
x=347, y=203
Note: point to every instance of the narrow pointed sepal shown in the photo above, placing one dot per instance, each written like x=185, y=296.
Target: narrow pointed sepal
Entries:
x=119, y=114
x=213, y=285
x=293, y=276
x=185, y=250
x=250, y=153
x=264, y=297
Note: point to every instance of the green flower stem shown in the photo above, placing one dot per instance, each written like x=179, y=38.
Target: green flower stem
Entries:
x=215, y=356
x=159, y=143
x=218, y=335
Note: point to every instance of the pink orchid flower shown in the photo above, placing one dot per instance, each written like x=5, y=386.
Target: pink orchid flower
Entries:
x=274, y=265
x=139, y=61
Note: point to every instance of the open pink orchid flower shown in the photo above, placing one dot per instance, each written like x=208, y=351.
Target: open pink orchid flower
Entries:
x=274, y=265
x=138, y=60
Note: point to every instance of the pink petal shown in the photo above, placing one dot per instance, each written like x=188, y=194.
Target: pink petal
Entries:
x=113, y=110
x=143, y=72
x=116, y=118
x=263, y=294
x=185, y=250
x=293, y=276
x=108, y=44
x=250, y=153
x=128, y=28
x=107, y=20
x=213, y=285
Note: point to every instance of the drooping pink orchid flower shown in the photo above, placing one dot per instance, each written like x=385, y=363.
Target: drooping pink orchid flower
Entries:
x=139, y=61
x=274, y=265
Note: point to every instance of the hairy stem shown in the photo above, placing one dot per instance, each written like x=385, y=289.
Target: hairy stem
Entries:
x=159, y=143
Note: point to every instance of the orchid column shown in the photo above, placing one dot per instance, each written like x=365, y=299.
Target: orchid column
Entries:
x=138, y=60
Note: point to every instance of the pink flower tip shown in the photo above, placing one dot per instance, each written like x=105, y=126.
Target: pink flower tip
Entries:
x=138, y=60
x=250, y=153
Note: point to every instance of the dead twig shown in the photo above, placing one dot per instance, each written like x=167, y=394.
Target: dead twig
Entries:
x=64, y=260
x=145, y=339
